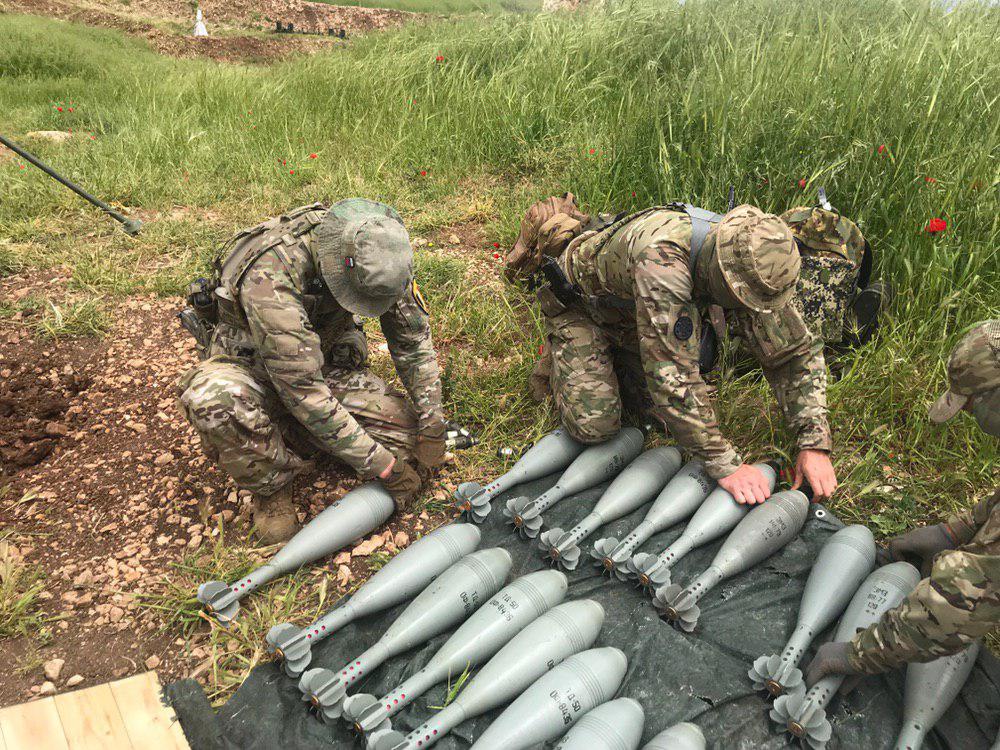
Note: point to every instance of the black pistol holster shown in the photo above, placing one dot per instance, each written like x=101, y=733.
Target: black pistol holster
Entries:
x=202, y=313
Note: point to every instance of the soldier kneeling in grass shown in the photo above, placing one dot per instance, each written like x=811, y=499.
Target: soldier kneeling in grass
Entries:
x=284, y=375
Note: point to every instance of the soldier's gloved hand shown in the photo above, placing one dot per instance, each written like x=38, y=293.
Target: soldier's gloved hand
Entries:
x=919, y=546
x=830, y=658
x=431, y=444
x=403, y=483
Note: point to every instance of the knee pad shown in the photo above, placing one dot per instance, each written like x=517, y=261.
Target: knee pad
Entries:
x=590, y=430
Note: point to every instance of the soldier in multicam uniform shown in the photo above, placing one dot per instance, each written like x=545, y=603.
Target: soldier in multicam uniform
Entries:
x=284, y=375
x=959, y=601
x=627, y=298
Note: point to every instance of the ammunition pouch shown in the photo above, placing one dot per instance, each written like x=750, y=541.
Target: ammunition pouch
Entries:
x=201, y=315
x=564, y=290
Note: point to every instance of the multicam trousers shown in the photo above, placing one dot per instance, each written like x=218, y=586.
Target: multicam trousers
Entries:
x=246, y=430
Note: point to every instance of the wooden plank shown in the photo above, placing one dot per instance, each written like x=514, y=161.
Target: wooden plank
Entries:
x=33, y=726
x=150, y=724
x=91, y=720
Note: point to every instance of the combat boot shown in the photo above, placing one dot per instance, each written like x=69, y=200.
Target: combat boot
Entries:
x=274, y=516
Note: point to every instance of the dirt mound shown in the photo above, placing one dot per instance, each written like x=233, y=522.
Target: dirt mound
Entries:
x=34, y=403
x=155, y=19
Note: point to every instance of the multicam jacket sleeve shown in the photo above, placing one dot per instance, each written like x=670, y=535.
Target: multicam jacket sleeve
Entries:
x=668, y=323
x=271, y=297
x=958, y=604
x=408, y=333
x=793, y=363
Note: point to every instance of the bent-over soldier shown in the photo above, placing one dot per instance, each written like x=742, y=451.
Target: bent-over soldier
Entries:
x=959, y=600
x=285, y=372
x=622, y=303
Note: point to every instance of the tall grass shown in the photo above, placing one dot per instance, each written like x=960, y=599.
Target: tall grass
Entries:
x=893, y=106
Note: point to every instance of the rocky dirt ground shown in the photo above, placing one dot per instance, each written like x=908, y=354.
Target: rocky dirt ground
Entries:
x=238, y=31
x=105, y=491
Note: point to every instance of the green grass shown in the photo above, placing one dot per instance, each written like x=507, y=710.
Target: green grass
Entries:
x=20, y=588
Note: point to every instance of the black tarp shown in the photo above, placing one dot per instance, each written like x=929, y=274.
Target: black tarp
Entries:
x=699, y=677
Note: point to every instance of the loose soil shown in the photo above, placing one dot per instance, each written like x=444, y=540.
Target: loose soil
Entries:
x=105, y=490
x=167, y=24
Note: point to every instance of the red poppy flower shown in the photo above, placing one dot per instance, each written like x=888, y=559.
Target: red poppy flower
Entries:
x=930, y=180
x=496, y=244
x=291, y=171
x=70, y=109
x=881, y=149
x=936, y=225
x=541, y=349
x=282, y=162
x=496, y=256
x=633, y=194
x=592, y=151
x=59, y=109
x=802, y=183
x=439, y=58
x=312, y=156
x=423, y=172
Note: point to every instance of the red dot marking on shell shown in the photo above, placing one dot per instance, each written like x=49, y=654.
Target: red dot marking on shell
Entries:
x=317, y=632
x=403, y=696
x=357, y=662
x=395, y=702
x=235, y=588
x=243, y=585
x=435, y=731
x=323, y=628
x=308, y=635
x=248, y=580
x=388, y=708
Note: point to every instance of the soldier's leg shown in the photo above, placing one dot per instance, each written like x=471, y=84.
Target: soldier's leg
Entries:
x=583, y=377
x=237, y=420
x=387, y=416
x=637, y=403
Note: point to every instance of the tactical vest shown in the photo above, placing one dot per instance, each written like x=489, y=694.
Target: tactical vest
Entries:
x=239, y=254
x=702, y=221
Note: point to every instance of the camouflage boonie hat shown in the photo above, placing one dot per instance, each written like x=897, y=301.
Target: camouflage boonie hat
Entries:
x=826, y=231
x=973, y=368
x=364, y=255
x=758, y=257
